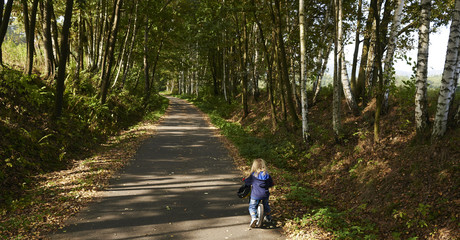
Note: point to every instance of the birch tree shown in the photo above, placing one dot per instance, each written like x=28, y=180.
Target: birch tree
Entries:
x=303, y=71
x=446, y=91
x=421, y=114
x=346, y=86
x=391, y=48
x=107, y=67
x=337, y=66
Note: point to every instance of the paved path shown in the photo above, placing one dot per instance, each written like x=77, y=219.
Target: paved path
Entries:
x=182, y=185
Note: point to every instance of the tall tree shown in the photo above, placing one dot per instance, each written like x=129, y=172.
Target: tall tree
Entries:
x=391, y=48
x=283, y=60
x=378, y=73
x=107, y=68
x=446, y=92
x=29, y=27
x=336, y=122
x=63, y=58
x=5, y=13
x=363, y=72
x=421, y=112
x=133, y=40
x=146, y=61
x=243, y=50
x=357, y=44
x=303, y=72
x=269, y=62
x=47, y=38
x=351, y=102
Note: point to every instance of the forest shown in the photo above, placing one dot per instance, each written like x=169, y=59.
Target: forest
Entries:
x=361, y=152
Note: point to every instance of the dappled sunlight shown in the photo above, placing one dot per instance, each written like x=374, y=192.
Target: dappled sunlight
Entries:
x=183, y=128
x=182, y=184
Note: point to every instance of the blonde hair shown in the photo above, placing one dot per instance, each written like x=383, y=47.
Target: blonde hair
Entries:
x=258, y=166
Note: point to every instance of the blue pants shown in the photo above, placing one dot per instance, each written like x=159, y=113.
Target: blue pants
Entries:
x=253, y=207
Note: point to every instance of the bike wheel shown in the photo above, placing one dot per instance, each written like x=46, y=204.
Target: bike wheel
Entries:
x=260, y=214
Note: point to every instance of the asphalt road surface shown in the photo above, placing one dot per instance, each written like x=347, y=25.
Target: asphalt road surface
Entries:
x=181, y=185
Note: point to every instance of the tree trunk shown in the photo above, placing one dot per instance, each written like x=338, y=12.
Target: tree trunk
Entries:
x=55, y=36
x=421, y=112
x=357, y=43
x=131, y=47
x=336, y=122
x=347, y=89
x=103, y=17
x=110, y=52
x=303, y=73
x=224, y=73
x=447, y=83
x=255, y=75
x=64, y=54
x=155, y=63
x=320, y=71
x=391, y=48
x=378, y=72
x=343, y=67
x=47, y=39
x=80, y=55
x=362, y=73
x=29, y=25
x=284, y=66
x=146, y=62
x=269, y=62
x=323, y=54
x=5, y=19
x=123, y=53
x=243, y=49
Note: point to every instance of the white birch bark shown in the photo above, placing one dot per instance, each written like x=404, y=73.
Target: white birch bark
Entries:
x=120, y=65
x=303, y=71
x=347, y=89
x=320, y=71
x=388, y=62
x=447, y=83
x=421, y=114
x=337, y=66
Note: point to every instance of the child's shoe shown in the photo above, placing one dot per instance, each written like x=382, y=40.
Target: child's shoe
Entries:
x=253, y=223
x=268, y=218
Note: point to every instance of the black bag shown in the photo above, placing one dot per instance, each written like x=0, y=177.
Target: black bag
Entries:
x=244, y=191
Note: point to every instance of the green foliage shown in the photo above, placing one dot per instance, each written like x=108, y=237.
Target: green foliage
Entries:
x=14, y=53
x=332, y=220
x=33, y=142
x=417, y=218
x=308, y=196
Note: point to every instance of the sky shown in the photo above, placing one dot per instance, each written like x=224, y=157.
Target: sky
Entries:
x=436, y=57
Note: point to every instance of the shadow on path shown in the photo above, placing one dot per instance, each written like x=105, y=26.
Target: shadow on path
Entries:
x=181, y=185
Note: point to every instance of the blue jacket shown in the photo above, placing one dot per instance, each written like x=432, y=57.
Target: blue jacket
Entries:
x=260, y=185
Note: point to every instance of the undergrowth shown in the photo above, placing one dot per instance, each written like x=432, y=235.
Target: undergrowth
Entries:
x=352, y=189
x=33, y=142
x=321, y=212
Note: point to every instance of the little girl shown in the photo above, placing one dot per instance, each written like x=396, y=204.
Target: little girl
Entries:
x=261, y=181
